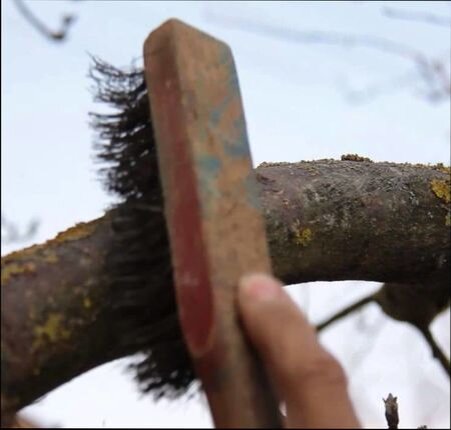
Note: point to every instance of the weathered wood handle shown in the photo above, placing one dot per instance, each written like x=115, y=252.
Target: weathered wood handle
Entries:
x=216, y=229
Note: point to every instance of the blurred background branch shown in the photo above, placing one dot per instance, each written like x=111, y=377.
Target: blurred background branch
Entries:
x=60, y=35
x=11, y=233
x=416, y=304
x=432, y=73
x=429, y=18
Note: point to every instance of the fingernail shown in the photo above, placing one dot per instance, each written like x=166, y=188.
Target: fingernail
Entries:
x=260, y=287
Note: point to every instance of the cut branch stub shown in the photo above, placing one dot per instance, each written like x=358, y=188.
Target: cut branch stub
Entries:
x=417, y=304
x=391, y=411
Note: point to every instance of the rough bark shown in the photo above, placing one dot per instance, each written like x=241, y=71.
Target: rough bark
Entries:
x=55, y=322
x=326, y=220
x=344, y=220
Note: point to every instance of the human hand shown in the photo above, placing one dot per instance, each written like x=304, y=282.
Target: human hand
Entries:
x=307, y=378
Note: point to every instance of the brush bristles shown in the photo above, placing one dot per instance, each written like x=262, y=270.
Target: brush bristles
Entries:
x=138, y=265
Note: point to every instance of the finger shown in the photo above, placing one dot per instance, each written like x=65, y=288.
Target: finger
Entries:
x=306, y=376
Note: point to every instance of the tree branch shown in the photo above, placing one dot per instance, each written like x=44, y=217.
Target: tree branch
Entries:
x=436, y=350
x=326, y=220
x=57, y=36
x=345, y=312
x=314, y=36
x=10, y=232
x=433, y=72
x=429, y=18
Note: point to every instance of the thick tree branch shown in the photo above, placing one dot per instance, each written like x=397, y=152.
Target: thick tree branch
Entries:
x=342, y=220
x=55, y=318
x=326, y=220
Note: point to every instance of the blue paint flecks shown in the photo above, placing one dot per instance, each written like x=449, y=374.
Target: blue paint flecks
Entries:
x=216, y=114
x=234, y=140
x=237, y=149
x=218, y=111
x=225, y=54
x=208, y=168
x=233, y=79
x=209, y=165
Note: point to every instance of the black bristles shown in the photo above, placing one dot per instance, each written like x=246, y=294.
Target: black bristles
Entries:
x=138, y=265
x=175, y=379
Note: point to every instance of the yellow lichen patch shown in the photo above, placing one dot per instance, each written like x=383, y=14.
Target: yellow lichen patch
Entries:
x=43, y=250
x=441, y=168
x=302, y=236
x=87, y=303
x=31, y=251
x=442, y=189
x=13, y=269
x=50, y=256
x=79, y=231
x=52, y=331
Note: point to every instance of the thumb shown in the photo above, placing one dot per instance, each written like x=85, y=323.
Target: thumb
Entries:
x=306, y=377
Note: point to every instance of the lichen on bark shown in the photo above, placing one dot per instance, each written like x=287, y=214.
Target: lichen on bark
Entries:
x=325, y=220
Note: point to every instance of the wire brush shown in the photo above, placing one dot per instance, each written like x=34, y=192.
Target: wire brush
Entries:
x=143, y=303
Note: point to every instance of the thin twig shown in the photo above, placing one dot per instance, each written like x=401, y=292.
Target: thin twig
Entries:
x=433, y=73
x=417, y=16
x=56, y=36
x=316, y=36
x=346, y=311
x=389, y=86
x=436, y=350
x=10, y=232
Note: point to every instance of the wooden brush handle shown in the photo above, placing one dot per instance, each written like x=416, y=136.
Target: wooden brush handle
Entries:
x=216, y=229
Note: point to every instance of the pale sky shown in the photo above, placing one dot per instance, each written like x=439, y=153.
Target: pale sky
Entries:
x=297, y=105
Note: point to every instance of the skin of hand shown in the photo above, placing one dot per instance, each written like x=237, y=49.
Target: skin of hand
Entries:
x=306, y=378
